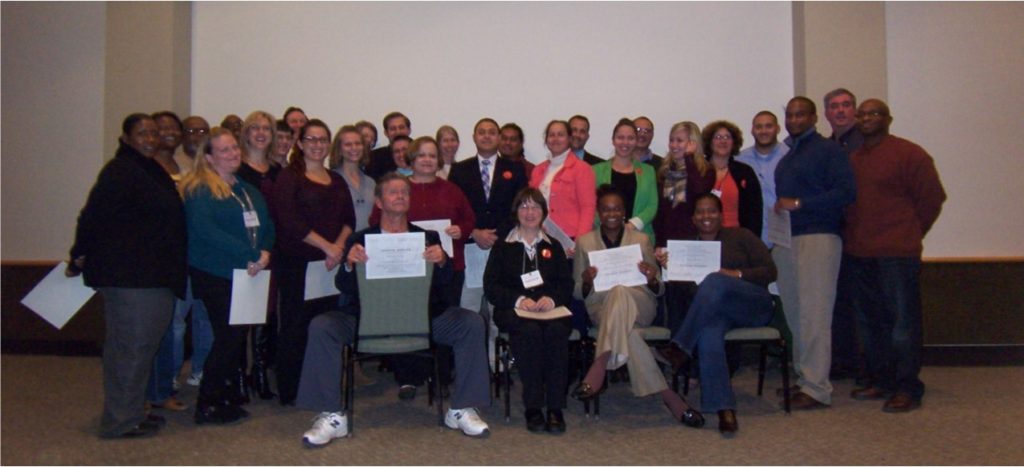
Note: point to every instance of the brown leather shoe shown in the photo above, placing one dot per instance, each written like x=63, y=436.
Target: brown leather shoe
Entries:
x=901, y=402
x=674, y=356
x=792, y=390
x=801, y=401
x=727, y=424
x=869, y=393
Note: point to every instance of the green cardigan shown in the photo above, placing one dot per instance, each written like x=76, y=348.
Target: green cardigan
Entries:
x=645, y=204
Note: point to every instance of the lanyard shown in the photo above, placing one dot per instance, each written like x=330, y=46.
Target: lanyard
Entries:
x=247, y=208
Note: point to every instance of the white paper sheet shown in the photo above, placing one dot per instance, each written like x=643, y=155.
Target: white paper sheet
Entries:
x=438, y=226
x=476, y=262
x=690, y=260
x=57, y=297
x=779, y=229
x=395, y=255
x=249, y=296
x=554, y=313
x=320, y=281
x=557, y=233
x=617, y=266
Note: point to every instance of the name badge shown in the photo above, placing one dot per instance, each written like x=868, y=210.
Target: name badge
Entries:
x=251, y=219
x=532, y=279
x=717, y=193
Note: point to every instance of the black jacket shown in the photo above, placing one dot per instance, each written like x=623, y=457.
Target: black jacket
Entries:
x=503, y=284
x=496, y=212
x=750, y=208
x=132, y=228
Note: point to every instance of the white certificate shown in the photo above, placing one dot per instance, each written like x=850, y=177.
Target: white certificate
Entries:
x=320, y=281
x=476, y=262
x=57, y=297
x=779, y=229
x=438, y=226
x=690, y=260
x=249, y=297
x=390, y=256
x=617, y=266
x=557, y=233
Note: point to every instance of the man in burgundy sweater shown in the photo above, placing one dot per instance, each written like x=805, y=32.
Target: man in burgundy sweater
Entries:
x=899, y=197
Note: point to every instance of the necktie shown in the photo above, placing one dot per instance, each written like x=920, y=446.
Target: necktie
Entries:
x=485, y=178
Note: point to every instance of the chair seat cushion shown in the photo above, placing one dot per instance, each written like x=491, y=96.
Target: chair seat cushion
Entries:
x=753, y=334
x=393, y=344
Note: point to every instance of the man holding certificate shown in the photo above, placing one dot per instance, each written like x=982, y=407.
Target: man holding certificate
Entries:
x=320, y=385
x=621, y=304
x=734, y=296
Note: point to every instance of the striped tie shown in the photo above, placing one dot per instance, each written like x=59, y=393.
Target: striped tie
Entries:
x=485, y=178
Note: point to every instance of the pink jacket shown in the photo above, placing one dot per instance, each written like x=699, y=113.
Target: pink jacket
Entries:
x=573, y=197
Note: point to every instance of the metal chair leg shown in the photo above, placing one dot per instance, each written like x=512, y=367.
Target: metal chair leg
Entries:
x=761, y=368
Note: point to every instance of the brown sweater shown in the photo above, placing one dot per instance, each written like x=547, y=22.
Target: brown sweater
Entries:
x=899, y=197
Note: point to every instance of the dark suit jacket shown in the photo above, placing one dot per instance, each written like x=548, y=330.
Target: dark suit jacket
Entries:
x=590, y=158
x=508, y=179
x=503, y=283
x=381, y=162
x=750, y=208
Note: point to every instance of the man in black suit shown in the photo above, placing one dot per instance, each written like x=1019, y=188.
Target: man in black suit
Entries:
x=579, y=134
x=382, y=160
x=490, y=183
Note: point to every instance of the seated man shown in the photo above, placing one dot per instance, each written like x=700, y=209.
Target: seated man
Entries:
x=320, y=385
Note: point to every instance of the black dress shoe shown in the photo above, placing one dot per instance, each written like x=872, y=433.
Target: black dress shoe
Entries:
x=585, y=392
x=407, y=392
x=152, y=418
x=535, y=420
x=220, y=414
x=556, y=422
x=727, y=424
x=692, y=418
x=144, y=429
x=674, y=356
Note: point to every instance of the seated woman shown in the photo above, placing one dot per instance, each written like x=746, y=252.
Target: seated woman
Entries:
x=618, y=312
x=735, y=296
x=541, y=346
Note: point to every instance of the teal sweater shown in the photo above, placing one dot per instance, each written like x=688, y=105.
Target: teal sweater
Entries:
x=218, y=241
x=645, y=203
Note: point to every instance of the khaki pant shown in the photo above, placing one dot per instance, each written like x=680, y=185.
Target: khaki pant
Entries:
x=618, y=313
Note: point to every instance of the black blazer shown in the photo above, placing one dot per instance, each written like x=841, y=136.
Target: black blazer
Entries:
x=382, y=161
x=750, y=212
x=503, y=285
x=508, y=179
x=590, y=158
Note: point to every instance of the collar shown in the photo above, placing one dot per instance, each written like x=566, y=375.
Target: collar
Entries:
x=793, y=142
x=514, y=236
x=493, y=159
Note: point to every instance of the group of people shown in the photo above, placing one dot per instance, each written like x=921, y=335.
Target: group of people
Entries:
x=163, y=231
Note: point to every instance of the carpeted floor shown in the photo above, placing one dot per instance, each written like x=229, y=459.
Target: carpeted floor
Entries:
x=51, y=406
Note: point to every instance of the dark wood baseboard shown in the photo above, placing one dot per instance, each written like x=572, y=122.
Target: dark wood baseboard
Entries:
x=989, y=355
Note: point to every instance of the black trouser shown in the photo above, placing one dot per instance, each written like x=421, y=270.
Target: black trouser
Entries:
x=228, y=341
x=413, y=370
x=541, y=349
x=294, y=316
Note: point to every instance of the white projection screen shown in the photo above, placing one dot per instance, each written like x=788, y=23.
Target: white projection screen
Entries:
x=529, y=63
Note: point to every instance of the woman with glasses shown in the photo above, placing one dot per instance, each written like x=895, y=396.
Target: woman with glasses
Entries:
x=229, y=228
x=635, y=180
x=314, y=216
x=735, y=182
x=528, y=270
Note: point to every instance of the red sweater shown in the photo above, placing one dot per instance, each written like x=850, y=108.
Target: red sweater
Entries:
x=439, y=199
x=899, y=197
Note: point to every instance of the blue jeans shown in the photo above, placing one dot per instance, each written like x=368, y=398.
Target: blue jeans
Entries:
x=887, y=298
x=202, y=332
x=722, y=303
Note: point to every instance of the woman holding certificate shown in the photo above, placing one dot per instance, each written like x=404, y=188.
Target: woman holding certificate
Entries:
x=735, y=296
x=527, y=274
x=314, y=215
x=229, y=228
x=619, y=310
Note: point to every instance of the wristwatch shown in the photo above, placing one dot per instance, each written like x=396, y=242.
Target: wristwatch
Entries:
x=796, y=203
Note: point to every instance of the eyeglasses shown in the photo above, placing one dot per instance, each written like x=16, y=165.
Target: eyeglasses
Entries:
x=315, y=140
x=530, y=207
x=196, y=131
x=723, y=137
x=873, y=113
x=643, y=131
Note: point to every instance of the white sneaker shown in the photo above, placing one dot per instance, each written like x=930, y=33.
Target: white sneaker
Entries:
x=326, y=426
x=468, y=421
x=194, y=379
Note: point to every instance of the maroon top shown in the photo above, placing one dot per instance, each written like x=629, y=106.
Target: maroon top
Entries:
x=439, y=199
x=677, y=223
x=302, y=205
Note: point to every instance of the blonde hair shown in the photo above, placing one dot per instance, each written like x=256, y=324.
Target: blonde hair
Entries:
x=249, y=122
x=698, y=155
x=202, y=174
x=336, y=158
